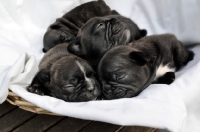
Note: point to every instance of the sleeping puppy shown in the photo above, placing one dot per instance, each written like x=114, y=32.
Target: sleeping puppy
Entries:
x=100, y=34
x=125, y=71
x=65, y=76
x=64, y=29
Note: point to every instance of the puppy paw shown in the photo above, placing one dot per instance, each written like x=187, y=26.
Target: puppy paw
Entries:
x=190, y=57
x=35, y=89
x=44, y=50
x=167, y=78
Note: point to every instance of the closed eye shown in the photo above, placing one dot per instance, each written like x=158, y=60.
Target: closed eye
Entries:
x=119, y=77
x=100, y=25
x=68, y=87
x=73, y=81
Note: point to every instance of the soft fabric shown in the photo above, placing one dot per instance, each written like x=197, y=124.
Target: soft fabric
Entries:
x=172, y=107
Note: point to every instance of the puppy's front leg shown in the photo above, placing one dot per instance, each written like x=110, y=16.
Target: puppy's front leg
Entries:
x=39, y=83
x=167, y=78
x=181, y=55
x=35, y=87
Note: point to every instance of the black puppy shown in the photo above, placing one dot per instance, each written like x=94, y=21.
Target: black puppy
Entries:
x=127, y=70
x=100, y=34
x=64, y=29
x=65, y=76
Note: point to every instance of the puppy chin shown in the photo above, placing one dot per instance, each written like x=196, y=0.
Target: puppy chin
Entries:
x=107, y=96
x=86, y=96
x=116, y=93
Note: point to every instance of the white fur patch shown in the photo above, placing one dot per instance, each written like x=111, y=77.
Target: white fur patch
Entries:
x=162, y=70
x=88, y=80
x=128, y=35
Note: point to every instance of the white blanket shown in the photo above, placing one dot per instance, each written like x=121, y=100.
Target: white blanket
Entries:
x=174, y=107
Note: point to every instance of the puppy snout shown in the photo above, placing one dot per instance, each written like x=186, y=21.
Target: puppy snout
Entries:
x=90, y=86
x=91, y=90
x=113, y=21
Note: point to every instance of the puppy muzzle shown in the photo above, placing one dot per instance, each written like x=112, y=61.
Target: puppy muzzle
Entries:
x=116, y=91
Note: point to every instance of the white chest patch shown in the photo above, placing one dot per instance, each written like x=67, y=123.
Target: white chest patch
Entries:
x=162, y=70
x=88, y=80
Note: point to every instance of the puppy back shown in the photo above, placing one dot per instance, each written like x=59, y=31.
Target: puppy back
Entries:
x=53, y=55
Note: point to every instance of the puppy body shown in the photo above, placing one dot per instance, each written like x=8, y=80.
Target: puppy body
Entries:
x=127, y=70
x=172, y=53
x=65, y=76
x=64, y=29
x=100, y=34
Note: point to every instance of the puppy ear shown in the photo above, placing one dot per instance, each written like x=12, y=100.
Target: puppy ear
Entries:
x=40, y=83
x=75, y=46
x=55, y=26
x=139, y=57
x=43, y=76
x=143, y=32
x=44, y=50
x=114, y=12
x=101, y=1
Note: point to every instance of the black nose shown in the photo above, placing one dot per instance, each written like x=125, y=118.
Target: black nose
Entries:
x=88, y=87
x=113, y=21
x=91, y=90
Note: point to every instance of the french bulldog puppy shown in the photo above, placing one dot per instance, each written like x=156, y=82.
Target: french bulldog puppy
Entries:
x=64, y=29
x=125, y=71
x=65, y=76
x=100, y=34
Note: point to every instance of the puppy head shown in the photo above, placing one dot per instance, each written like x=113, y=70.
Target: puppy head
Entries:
x=97, y=36
x=124, y=72
x=71, y=79
x=56, y=34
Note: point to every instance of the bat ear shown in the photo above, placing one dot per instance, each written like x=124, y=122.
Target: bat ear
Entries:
x=40, y=83
x=139, y=57
x=55, y=26
x=102, y=1
x=143, y=32
x=43, y=76
x=74, y=46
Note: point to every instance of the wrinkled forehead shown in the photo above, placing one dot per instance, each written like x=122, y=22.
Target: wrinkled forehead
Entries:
x=116, y=58
x=116, y=55
x=91, y=23
x=110, y=64
x=97, y=19
x=70, y=65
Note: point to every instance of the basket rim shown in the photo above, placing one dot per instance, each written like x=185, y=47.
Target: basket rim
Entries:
x=14, y=99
